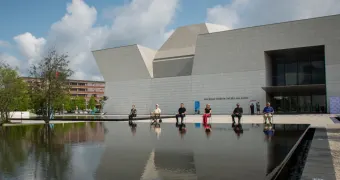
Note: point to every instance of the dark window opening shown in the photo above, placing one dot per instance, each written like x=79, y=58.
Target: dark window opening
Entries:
x=298, y=66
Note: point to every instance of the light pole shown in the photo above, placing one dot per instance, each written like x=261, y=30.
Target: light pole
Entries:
x=63, y=108
x=86, y=106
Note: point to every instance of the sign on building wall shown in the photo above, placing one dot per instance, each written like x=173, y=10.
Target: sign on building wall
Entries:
x=224, y=98
x=334, y=103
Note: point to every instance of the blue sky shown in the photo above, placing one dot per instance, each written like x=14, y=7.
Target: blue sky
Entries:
x=36, y=16
x=28, y=28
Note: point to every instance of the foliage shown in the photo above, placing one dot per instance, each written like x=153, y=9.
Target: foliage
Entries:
x=50, y=82
x=13, y=92
x=102, y=102
x=63, y=103
x=67, y=103
x=80, y=102
x=92, y=103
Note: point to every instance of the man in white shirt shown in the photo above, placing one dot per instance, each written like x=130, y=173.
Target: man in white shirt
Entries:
x=156, y=113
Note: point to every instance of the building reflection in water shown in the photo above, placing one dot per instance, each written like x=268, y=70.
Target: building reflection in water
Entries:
x=44, y=152
x=166, y=164
x=285, y=137
x=77, y=151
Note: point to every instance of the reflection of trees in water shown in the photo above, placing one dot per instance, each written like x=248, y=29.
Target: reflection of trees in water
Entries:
x=40, y=146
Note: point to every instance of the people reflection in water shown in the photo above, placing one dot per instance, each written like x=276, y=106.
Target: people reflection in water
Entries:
x=207, y=133
x=182, y=129
x=268, y=130
x=158, y=130
x=237, y=129
x=255, y=125
x=133, y=130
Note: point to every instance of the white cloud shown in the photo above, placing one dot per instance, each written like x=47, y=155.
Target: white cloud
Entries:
x=243, y=13
x=10, y=60
x=4, y=44
x=140, y=21
x=30, y=46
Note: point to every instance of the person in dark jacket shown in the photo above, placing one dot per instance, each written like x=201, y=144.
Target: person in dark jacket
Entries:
x=238, y=111
x=181, y=113
x=252, y=109
x=133, y=113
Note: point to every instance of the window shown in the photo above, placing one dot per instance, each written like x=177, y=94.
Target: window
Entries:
x=304, y=70
x=319, y=103
x=279, y=72
x=291, y=72
x=299, y=66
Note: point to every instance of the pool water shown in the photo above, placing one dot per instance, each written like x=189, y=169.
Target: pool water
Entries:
x=114, y=150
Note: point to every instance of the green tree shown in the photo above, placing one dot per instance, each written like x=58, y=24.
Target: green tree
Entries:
x=13, y=92
x=92, y=103
x=73, y=103
x=102, y=102
x=81, y=103
x=50, y=84
x=67, y=103
x=63, y=103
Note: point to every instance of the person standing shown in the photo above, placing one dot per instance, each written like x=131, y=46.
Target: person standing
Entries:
x=258, y=109
x=181, y=113
x=238, y=111
x=252, y=109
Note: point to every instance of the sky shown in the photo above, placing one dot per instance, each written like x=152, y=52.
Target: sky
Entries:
x=28, y=29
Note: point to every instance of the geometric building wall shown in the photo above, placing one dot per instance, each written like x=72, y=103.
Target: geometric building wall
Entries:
x=220, y=68
x=176, y=56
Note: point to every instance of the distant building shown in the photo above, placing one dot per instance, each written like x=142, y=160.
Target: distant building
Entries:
x=83, y=88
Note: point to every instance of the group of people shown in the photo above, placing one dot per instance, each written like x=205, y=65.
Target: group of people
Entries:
x=252, y=108
x=268, y=112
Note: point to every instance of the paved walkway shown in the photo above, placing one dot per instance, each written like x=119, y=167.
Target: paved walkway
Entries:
x=318, y=120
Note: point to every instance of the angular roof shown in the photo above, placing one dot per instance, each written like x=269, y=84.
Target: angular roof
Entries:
x=114, y=63
x=174, y=58
x=183, y=41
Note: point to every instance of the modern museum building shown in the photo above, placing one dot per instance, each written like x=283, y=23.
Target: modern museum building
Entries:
x=294, y=65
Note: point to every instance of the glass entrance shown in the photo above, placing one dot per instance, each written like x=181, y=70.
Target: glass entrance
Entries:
x=305, y=104
x=299, y=104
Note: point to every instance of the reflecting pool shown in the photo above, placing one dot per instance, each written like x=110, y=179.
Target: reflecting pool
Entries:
x=114, y=150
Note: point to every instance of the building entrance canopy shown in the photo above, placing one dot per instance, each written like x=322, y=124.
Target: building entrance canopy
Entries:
x=303, y=89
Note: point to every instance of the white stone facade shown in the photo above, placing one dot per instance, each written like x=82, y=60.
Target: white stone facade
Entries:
x=224, y=64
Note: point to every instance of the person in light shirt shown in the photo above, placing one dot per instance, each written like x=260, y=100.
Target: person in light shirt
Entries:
x=156, y=113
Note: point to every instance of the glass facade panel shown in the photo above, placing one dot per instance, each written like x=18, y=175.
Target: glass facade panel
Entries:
x=279, y=71
x=319, y=103
x=277, y=104
x=304, y=70
x=293, y=104
x=300, y=66
x=318, y=72
x=305, y=103
x=291, y=71
x=299, y=104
